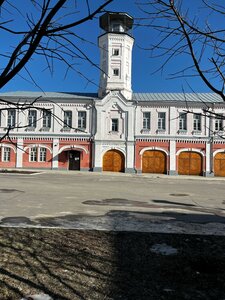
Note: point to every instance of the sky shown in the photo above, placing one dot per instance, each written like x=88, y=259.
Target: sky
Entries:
x=144, y=78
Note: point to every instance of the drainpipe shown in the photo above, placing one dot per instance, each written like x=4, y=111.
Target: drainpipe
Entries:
x=135, y=113
x=211, y=140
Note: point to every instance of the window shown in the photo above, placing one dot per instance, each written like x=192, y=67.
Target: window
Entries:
x=116, y=27
x=183, y=121
x=47, y=119
x=32, y=118
x=6, y=154
x=67, y=119
x=82, y=119
x=116, y=52
x=11, y=122
x=219, y=123
x=33, y=154
x=38, y=154
x=197, y=122
x=42, y=154
x=146, y=120
x=115, y=125
x=161, y=121
x=116, y=72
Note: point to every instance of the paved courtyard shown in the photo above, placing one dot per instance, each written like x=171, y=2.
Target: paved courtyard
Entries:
x=113, y=201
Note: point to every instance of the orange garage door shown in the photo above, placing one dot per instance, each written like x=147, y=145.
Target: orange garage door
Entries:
x=190, y=163
x=113, y=161
x=219, y=164
x=154, y=161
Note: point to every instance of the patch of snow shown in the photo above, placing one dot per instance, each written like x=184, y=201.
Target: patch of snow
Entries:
x=38, y=297
x=163, y=249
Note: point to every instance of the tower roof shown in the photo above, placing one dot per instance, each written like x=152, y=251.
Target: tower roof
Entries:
x=109, y=17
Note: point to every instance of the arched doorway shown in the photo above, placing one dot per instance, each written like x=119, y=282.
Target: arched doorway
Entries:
x=190, y=163
x=114, y=161
x=74, y=160
x=219, y=164
x=154, y=161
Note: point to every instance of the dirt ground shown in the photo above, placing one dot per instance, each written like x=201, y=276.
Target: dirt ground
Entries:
x=79, y=264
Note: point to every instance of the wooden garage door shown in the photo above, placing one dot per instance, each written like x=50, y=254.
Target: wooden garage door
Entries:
x=190, y=163
x=219, y=164
x=154, y=162
x=113, y=161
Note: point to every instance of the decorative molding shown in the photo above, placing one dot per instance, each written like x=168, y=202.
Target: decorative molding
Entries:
x=191, y=150
x=38, y=146
x=154, y=148
x=73, y=147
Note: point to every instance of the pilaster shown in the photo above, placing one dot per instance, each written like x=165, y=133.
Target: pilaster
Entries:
x=172, y=168
x=55, y=151
x=19, y=153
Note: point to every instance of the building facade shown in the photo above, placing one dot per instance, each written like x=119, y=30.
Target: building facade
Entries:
x=115, y=129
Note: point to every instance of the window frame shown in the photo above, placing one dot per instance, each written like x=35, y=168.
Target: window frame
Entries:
x=146, y=121
x=82, y=120
x=37, y=154
x=32, y=118
x=11, y=118
x=197, y=122
x=33, y=154
x=115, y=51
x=162, y=121
x=219, y=123
x=116, y=72
x=182, y=121
x=42, y=154
x=47, y=119
x=115, y=125
x=6, y=154
x=67, y=124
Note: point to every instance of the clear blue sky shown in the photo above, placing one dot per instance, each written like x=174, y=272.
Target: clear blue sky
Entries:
x=143, y=65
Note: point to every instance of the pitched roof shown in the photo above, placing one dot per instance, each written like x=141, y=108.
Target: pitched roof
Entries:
x=178, y=97
x=50, y=95
x=139, y=97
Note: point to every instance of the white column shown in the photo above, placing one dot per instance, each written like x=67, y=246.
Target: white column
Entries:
x=173, y=121
x=208, y=160
x=97, y=157
x=55, y=151
x=172, y=170
x=57, y=123
x=130, y=158
x=19, y=153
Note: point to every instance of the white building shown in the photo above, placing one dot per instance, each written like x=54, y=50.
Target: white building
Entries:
x=115, y=129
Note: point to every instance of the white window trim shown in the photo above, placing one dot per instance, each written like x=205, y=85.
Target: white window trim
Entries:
x=65, y=124
x=85, y=120
x=115, y=131
x=115, y=51
x=144, y=129
x=115, y=71
x=197, y=122
x=38, y=155
x=160, y=129
x=3, y=153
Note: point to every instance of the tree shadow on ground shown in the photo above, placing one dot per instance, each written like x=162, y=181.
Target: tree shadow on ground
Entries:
x=90, y=264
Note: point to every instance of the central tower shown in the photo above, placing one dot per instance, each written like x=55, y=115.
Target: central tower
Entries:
x=116, y=45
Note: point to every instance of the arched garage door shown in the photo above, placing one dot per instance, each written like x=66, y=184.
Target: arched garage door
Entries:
x=219, y=164
x=190, y=163
x=154, y=161
x=113, y=161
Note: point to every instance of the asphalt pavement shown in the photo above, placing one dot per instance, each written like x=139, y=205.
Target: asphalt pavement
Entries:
x=113, y=201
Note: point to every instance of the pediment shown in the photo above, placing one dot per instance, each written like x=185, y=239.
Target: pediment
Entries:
x=114, y=100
